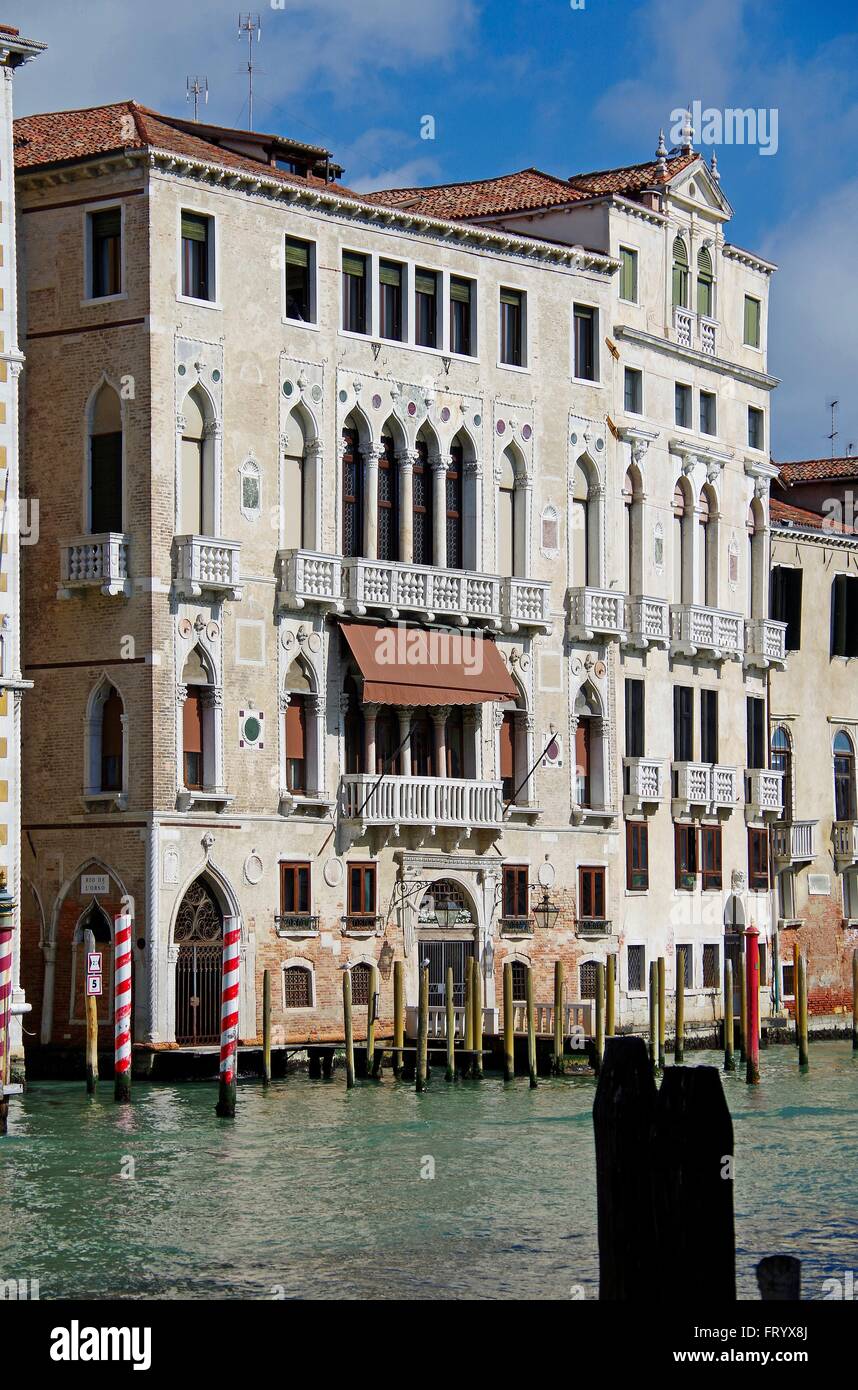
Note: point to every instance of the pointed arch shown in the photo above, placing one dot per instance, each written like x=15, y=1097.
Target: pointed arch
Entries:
x=757, y=561
x=197, y=500
x=302, y=730
x=300, y=482
x=392, y=448
x=683, y=542
x=705, y=284
x=105, y=484
x=680, y=273
x=585, y=523
x=356, y=442
x=515, y=750
x=708, y=546
x=105, y=742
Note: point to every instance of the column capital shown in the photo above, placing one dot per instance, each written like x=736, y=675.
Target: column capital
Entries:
x=181, y=694
x=439, y=713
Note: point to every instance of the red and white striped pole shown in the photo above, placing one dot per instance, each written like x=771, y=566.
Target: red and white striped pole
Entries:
x=7, y=926
x=122, y=1008
x=229, y=1018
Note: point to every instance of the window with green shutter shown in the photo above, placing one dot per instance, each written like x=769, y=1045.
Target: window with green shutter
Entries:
x=628, y=274
x=426, y=304
x=355, y=318
x=752, y=321
x=197, y=275
x=680, y=274
x=299, y=303
x=105, y=231
x=461, y=312
x=705, y=283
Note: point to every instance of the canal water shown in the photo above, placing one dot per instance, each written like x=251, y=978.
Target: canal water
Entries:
x=316, y=1192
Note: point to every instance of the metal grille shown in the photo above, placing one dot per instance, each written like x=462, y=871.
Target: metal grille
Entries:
x=297, y=988
x=519, y=981
x=588, y=979
x=689, y=967
x=422, y=506
x=711, y=972
x=636, y=963
x=351, y=495
x=388, y=522
x=444, y=890
x=360, y=984
x=442, y=954
x=454, y=509
x=198, y=976
x=199, y=917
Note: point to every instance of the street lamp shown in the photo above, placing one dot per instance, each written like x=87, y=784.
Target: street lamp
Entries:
x=446, y=912
x=546, y=912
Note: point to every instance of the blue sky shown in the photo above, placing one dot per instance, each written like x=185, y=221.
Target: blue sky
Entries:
x=512, y=83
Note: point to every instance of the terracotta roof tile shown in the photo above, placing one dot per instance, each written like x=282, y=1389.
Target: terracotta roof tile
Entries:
x=785, y=514
x=524, y=191
x=817, y=470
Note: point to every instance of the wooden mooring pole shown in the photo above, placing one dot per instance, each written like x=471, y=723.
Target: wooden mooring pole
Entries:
x=729, y=1059
x=557, y=1062
x=611, y=996
x=398, y=1015
x=855, y=1000
x=662, y=990
x=372, y=996
x=653, y=1015
x=91, y=1012
x=679, y=1008
x=451, y=1027
x=348, y=1028
x=477, y=1001
x=266, y=1027
x=752, y=975
x=803, y=1059
x=531, y=1028
x=600, y=1017
x=229, y=996
x=423, y=1030
x=468, y=1052
x=508, y=1025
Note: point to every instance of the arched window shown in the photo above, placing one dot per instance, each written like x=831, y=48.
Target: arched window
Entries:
x=353, y=727
x=105, y=463
x=680, y=274
x=388, y=502
x=294, y=521
x=455, y=507
x=422, y=506
x=781, y=761
x=196, y=485
x=297, y=987
x=589, y=750
x=707, y=552
x=705, y=283
x=361, y=977
x=519, y=981
x=582, y=539
x=757, y=579
x=682, y=518
x=300, y=733
x=111, y=743
x=844, y=777
x=352, y=493
x=105, y=736
x=197, y=724
x=506, y=517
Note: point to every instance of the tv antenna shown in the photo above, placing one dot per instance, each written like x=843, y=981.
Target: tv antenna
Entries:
x=834, y=430
x=250, y=24
x=195, y=89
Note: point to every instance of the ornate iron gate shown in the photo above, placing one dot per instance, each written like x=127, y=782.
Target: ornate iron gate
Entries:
x=199, y=935
x=441, y=954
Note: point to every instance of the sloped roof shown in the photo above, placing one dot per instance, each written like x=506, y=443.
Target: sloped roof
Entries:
x=785, y=514
x=817, y=471
x=527, y=190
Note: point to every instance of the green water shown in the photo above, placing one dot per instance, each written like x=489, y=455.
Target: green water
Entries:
x=317, y=1192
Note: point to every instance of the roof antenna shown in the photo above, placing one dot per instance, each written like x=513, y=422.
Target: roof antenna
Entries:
x=250, y=24
x=834, y=430
x=195, y=90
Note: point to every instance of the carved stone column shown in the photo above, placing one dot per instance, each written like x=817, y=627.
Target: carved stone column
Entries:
x=406, y=461
x=439, y=727
x=370, y=714
x=404, y=714
x=439, y=512
x=370, y=504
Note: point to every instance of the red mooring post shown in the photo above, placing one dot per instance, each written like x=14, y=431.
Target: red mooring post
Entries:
x=752, y=986
x=122, y=1008
x=229, y=1018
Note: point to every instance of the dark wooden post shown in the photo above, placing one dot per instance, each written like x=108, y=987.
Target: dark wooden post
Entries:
x=91, y=1010
x=679, y=1007
x=779, y=1279
x=801, y=999
x=348, y=1028
x=661, y=1012
x=370, y=1020
x=468, y=1050
x=600, y=1016
x=451, y=1027
x=855, y=1000
x=423, y=1030
x=653, y=1015
x=623, y=1113
x=752, y=977
x=557, y=1060
x=266, y=1027
x=611, y=996
x=531, y=1028
x=477, y=1002
x=692, y=1166
x=508, y=1025
x=729, y=1059
x=398, y=1015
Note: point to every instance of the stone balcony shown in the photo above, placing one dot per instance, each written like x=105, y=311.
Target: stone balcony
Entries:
x=708, y=632
x=844, y=833
x=645, y=783
x=697, y=331
x=206, y=565
x=307, y=577
x=704, y=788
x=436, y=803
x=765, y=643
x=794, y=842
x=647, y=622
x=95, y=562
x=596, y=614
x=525, y=603
x=764, y=793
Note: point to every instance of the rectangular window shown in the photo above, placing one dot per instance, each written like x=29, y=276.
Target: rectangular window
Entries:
x=682, y=405
x=785, y=603
x=683, y=723
x=507, y=756
x=515, y=891
x=711, y=967
x=105, y=252
x=785, y=882
x=355, y=316
x=636, y=966
x=299, y=281
x=756, y=428
x=197, y=259
x=591, y=893
x=788, y=981
x=192, y=739
x=637, y=856
x=758, y=860
x=850, y=895
x=688, y=981
x=764, y=963
x=633, y=391
x=756, y=737
x=294, y=890
x=585, y=320
x=390, y=285
x=686, y=857
x=426, y=303
x=461, y=316
x=512, y=327
x=709, y=726
x=362, y=890
x=628, y=275
x=707, y=413
x=296, y=746
x=710, y=857
x=752, y=322
x=844, y=615
x=635, y=722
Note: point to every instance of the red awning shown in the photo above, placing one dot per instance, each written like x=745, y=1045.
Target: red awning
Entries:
x=415, y=666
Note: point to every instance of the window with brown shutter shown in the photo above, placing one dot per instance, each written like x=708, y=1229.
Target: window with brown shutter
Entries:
x=591, y=893
x=515, y=891
x=296, y=745
x=294, y=889
x=192, y=739
x=710, y=855
x=686, y=857
x=637, y=856
x=362, y=888
x=507, y=754
x=758, y=860
x=111, y=743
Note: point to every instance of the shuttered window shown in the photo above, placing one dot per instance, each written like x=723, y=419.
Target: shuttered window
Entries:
x=426, y=301
x=461, y=309
x=758, y=860
x=354, y=293
x=710, y=854
x=298, y=283
x=390, y=277
x=686, y=857
x=511, y=327
x=362, y=890
x=196, y=256
x=752, y=322
x=294, y=888
x=296, y=745
x=192, y=739
x=628, y=275
x=507, y=754
x=591, y=892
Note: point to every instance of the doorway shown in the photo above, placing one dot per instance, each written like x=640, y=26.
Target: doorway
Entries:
x=199, y=936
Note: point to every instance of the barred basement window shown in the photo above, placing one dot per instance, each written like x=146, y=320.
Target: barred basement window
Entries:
x=788, y=981
x=360, y=983
x=689, y=965
x=711, y=968
x=588, y=979
x=519, y=981
x=636, y=965
x=297, y=988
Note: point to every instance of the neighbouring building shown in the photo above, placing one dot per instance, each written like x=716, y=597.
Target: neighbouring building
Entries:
x=17, y=519
x=814, y=725
x=399, y=552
